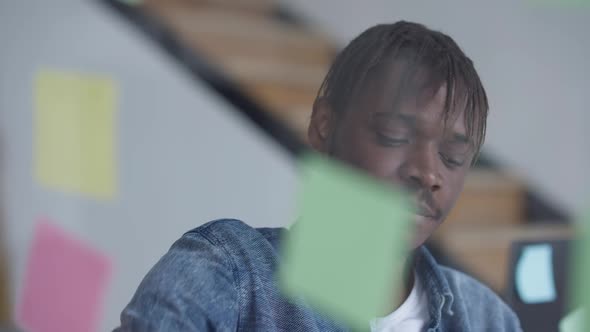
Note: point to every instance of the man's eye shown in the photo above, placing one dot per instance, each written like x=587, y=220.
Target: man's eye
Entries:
x=391, y=141
x=453, y=162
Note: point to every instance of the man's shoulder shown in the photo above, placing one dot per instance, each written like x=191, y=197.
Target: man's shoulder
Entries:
x=468, y=289
x=460, y=282
x=479, y=301
x=230, y=227
x=222, y=226
x=233, y=233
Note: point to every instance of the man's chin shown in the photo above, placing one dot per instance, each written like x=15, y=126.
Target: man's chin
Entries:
x=424, y=227
x=417, y=241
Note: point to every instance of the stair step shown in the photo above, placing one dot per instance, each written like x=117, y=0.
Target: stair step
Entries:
x=266, y=7
x=258, y=6
x=275, y=72
x=282, y=98
x=221, y=32
x=489, y=197
x=484, y=250
x=224, y=48
x=291, y=105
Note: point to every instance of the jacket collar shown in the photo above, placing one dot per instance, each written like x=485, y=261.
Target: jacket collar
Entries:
x=440, y=297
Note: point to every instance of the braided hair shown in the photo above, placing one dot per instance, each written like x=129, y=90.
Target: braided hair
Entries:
x=428, y=60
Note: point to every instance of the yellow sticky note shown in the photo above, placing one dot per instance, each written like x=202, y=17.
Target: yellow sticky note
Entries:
x=74, y=128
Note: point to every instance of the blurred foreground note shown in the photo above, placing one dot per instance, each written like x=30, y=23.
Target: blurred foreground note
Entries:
x=64, y=284
x=574, y=322
x=74, y=132
x=559, y=3
x=132, y=2
x=534, y=274
x=345, y=253
x=579, y=293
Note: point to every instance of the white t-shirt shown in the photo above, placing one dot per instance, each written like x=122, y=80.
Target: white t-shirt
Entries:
x=411, y=316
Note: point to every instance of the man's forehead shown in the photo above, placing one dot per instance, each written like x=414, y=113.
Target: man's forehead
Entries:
x=390, y=89
x=454, y=126
x=385, y=90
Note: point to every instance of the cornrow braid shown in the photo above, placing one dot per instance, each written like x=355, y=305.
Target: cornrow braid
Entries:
x=430, y=59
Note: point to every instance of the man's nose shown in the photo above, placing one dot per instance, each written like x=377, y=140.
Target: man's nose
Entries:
x=420, y=171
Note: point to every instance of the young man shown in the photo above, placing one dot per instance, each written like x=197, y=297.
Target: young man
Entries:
x=400, y=102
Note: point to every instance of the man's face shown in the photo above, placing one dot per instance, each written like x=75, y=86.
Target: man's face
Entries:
x=410, y=147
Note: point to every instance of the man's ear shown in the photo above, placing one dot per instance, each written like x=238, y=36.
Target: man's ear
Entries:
x=321, y=125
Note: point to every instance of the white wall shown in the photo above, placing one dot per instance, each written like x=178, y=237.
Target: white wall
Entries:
x=184, y=158
x=533, y=61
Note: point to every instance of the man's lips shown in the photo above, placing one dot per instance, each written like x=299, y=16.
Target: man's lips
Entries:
x=424, y=210
x=425, y=215
x=420, y=219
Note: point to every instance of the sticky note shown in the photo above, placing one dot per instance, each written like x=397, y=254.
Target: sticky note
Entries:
x=344, y=254
x=74, y=132
x=573, y=322
x=64, y=284
x=579, y=291
x=559, y=3
x=534, y=274
x=131, y=2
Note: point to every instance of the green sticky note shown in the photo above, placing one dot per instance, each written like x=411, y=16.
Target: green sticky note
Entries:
x=573, y=322
x=344, y=255
x=132, y=2
x=559, y=3
x=579, y=292
x=74, y=132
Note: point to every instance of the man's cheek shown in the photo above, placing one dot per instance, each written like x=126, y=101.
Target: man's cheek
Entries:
x=381, y=162
x=450, y=202
x=363, y=154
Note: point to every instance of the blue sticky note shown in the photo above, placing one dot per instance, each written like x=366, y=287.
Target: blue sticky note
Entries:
x=534, y=274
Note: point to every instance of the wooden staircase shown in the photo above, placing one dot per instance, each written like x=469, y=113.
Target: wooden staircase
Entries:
x=488, y=217
x=278, y=63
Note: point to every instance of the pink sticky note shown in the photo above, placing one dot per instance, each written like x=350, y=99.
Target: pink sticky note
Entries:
x=64, y=285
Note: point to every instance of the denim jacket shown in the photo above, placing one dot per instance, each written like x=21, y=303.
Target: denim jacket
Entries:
x=220, y=277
